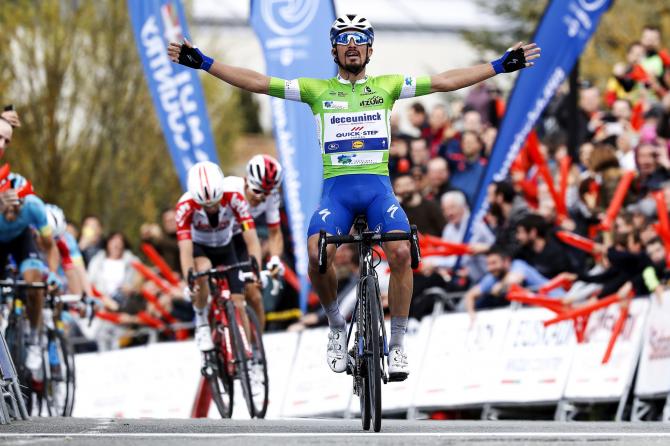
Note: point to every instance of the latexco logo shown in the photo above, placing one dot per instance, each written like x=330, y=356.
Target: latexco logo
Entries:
x=375, y=100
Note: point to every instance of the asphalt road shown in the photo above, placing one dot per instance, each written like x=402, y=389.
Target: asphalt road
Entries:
x=84, y=431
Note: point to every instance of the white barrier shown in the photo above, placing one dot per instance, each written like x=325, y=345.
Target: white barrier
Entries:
x=459, y=359
x=156, y=381
x=653, y=377
x=507, y=356
x=535, y=360
x=589, y=380
x=313, y=389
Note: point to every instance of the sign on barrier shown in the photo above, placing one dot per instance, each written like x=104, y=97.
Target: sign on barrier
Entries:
x=589, y=379
x=156, y=381
x=313, y=389
x=653, y=376
x=459, y=359
x=535, y=360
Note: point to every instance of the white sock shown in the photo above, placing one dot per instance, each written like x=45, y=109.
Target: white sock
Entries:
x=201, y=315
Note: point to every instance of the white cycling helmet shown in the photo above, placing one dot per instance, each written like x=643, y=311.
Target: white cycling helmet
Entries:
x=264, y=173
x=205, y=183
x=56, y=220
x=351, y=22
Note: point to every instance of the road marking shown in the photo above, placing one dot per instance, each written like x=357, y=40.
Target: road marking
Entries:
x=519, y=435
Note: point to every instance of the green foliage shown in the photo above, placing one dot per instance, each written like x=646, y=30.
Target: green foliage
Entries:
x=620, y=26
x=520, y=18
x=90, y=139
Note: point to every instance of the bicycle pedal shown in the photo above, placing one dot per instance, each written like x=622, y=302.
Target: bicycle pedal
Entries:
x=351, y=365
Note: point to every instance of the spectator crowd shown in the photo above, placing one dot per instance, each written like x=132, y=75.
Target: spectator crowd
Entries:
x=566, y=178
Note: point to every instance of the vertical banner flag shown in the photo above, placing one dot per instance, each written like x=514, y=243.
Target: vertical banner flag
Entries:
x=565, y=28
x=175, y=89
x=294, y=37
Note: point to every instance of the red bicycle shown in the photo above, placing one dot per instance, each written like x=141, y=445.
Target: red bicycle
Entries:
x=238, y=346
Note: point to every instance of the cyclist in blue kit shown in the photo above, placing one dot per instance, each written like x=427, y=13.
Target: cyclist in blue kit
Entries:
x=352, y=112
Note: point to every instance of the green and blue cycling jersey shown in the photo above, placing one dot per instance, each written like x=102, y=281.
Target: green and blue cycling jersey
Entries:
x=353, y=125
x=353, y=121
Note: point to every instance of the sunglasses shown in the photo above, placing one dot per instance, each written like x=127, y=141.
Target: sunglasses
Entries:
x=359, y=38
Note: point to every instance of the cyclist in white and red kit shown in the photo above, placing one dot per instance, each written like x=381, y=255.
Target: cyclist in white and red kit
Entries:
x=260, y=187
x=206, y=215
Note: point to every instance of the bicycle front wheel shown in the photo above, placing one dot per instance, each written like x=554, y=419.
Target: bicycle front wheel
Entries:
x=219, y=381
x=374, y=354
x=242, y=359
x=59, y=383
x=258, y=367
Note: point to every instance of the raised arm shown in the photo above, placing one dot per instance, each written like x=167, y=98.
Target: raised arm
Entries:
x=250, y=80
x=516, y=58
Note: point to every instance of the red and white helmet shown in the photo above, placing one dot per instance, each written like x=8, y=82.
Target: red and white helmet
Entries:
x=205, y=183
x=264, y=173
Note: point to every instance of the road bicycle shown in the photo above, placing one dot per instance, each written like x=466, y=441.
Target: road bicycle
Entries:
x=53, y=395
x=367, y=362
x=238, y=346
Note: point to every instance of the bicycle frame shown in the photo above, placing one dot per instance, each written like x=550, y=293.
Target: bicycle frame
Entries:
x=218, y=283
x=222, y=327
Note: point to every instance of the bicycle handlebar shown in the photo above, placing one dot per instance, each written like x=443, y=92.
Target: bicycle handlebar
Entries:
x=23, y=284
x=369, y=237
x=219, y=272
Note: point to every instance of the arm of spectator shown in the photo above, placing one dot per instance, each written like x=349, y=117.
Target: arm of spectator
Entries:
x=652, y=283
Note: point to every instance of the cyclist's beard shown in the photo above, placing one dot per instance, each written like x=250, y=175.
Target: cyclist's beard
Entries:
x=353, y=68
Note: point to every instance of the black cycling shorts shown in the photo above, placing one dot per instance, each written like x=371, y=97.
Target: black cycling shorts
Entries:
x=222, y=256
x=240, y=247
x=23, y=250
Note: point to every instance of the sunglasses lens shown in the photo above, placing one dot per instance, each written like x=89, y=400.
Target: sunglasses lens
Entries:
x=359, y=38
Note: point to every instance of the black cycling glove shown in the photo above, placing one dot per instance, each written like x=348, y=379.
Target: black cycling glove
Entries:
x=512, y=60
x=194, y=58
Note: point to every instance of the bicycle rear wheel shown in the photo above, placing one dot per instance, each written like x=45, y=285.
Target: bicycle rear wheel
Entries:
x=374, y=354
x=16, y=344
x=241, y=359
x=258, y=371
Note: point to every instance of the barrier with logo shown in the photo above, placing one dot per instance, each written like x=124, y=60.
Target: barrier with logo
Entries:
x=460, y=358
x=653, y=376
x=505, y=357
x=535, y=360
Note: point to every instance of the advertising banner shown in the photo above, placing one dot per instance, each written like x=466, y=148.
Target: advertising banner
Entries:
x=591, y=380
x=460, y=359
x=653, y=376
x=535, y=360
x=175, y=89
x=313, y=389
x=565, y=29
x=294, y=38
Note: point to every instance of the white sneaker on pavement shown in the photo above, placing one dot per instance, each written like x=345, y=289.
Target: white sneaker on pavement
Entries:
x=34, y=361
x=398, y=367
x=203, y=338
x=337, y=355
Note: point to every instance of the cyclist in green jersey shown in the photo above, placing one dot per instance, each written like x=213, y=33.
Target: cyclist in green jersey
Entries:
x=352, y=114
